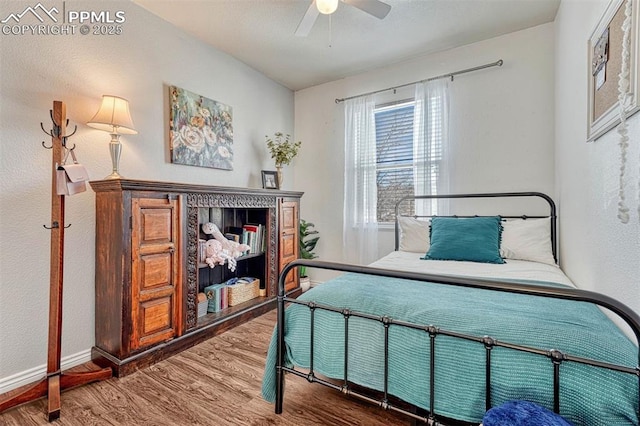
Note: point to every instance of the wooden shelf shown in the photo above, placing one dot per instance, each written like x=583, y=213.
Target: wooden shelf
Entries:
x=127, y=338
x=225, y=314
x=239, y=259
x=215, y=318
x=249, y=256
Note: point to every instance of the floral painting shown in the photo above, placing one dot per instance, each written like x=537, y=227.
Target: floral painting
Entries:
x=201, y=131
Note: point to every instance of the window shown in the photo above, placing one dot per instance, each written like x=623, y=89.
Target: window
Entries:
x=394, y=158
x=391, y=151
x=402, y=168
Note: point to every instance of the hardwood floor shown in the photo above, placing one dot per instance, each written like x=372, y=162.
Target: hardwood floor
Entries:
x=214, y=383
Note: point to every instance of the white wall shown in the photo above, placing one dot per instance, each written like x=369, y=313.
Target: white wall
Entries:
x=501, y=126
x=598, y=252
x=503, y=120
x=77, y=69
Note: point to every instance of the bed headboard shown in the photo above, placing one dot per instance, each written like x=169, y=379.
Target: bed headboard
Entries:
x=551, y=215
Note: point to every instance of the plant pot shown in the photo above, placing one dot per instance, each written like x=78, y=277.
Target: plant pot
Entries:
x=305, y=283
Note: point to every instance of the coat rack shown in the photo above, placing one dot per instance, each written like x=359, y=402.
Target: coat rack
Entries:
x=55, y=380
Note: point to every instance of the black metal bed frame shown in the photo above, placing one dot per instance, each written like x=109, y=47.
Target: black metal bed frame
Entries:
x=555, y=356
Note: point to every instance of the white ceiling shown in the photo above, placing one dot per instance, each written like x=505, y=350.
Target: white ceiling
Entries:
x=260, y=33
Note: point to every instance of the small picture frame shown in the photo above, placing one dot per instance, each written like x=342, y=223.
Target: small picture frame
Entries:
x=270, y=179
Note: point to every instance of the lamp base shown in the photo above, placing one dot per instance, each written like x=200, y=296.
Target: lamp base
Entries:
x=114, y=175
x=115, y=148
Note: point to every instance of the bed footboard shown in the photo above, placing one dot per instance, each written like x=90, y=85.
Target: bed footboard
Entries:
x=556, y=358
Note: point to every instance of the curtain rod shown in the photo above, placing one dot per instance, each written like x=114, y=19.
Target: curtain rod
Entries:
x=498, y=63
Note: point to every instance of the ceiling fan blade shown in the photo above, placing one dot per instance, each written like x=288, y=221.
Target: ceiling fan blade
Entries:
x=309, y=18
x=372, y=7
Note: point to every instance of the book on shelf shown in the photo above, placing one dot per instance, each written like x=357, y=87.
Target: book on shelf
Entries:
x=217, y=295
x=232, y=237
x=253, y=236
x=202, y=250
x=237, y=230
x=250, y=227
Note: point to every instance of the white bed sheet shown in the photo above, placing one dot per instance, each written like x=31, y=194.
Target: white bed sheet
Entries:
x=511, y=270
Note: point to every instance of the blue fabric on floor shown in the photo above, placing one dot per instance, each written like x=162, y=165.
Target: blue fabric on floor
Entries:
x=522, y=413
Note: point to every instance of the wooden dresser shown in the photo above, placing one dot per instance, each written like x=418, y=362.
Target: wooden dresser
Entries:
x=149, y=272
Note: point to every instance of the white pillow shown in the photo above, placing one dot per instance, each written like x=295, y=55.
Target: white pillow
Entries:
x=527, y=239
x=414, y=234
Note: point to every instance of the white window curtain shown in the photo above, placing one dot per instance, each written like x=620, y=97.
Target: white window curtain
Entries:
x=430, y=141
x=360, y=227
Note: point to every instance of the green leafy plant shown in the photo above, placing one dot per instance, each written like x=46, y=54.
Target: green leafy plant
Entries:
x=308, y=242
x=282, y=150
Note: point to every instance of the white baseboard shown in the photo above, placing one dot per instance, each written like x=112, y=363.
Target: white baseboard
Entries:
x=34, y=374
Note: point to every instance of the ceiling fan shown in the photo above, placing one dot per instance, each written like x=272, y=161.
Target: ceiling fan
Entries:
x=373, y=7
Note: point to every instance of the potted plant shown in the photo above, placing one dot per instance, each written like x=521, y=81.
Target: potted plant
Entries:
x=308, y=241
x=282, y=151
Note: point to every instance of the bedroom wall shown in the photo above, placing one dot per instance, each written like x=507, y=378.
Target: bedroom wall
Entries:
x=77, y=69
x=598, y=252
x=502, y=123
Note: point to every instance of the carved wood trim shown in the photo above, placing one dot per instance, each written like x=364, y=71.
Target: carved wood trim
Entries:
x=192, y=266
x=231, y=200
x=273, y=253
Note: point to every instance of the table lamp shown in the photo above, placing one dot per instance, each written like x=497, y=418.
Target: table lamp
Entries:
x=114, y=117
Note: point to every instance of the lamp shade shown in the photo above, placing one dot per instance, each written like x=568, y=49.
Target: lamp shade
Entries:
x=113, y=116
x=327, y=7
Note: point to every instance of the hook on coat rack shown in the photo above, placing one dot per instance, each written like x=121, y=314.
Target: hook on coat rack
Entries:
x=64, y=138
x=55, y=225
x=55, y=133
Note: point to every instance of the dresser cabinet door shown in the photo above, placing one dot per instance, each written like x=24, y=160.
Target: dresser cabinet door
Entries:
x=288, y=249
x=155, y=272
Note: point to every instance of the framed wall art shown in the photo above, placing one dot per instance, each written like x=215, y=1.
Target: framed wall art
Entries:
x=606, y=47
x=201, y=130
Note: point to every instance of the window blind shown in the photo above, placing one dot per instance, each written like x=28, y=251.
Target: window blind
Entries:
x=394, y=158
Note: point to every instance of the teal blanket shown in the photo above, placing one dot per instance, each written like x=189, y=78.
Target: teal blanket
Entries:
x=576, y=328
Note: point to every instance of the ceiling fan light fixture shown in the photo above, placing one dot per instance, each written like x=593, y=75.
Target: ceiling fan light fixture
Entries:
x=327, y=7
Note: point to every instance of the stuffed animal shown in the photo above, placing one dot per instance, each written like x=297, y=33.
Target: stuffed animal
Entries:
x=209, y=228
x=220, y=249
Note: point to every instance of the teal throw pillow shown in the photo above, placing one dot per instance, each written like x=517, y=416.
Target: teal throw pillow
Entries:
x=474, y=239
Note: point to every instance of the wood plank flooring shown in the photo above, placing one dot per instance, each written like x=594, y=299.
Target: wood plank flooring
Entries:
x=214, y=383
